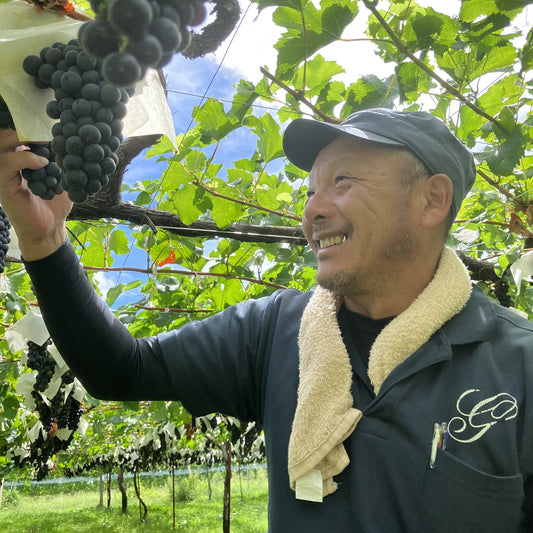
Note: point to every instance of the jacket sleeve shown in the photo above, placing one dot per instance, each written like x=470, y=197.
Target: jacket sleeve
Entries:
x=213, y=365
x=220, y=364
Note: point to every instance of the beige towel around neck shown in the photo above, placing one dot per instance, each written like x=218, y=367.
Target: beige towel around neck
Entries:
x=325, y=413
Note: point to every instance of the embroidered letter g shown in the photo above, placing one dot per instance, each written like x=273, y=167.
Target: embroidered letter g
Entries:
x=475, y=422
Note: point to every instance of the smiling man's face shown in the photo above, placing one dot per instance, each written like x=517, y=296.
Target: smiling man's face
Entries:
x=357, y=217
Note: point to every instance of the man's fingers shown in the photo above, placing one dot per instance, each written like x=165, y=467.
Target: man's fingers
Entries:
x=19, y=160
x=9, y=144
x=36, y=161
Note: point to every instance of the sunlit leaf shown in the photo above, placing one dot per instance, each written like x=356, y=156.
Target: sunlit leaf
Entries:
x=119, y=242
x=269, y=140
x=321, y=28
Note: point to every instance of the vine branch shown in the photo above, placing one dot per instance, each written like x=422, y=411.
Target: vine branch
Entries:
x=173, y=309
x=297, y=95
x=170, y=222
x=208, y=190
x=497, y=186
x=227, y=15
x=185, y=273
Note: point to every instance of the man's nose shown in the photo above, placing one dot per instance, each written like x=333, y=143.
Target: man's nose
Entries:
x=319, y=205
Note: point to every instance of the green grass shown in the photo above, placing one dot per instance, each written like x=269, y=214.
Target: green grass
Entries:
x=54, y=509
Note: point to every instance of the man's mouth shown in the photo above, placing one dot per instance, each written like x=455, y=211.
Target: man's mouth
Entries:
x=331, y=241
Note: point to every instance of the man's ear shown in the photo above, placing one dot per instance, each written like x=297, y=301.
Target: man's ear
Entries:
x=438, y=192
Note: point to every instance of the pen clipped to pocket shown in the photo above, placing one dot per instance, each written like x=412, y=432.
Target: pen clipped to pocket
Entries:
x=440, y=440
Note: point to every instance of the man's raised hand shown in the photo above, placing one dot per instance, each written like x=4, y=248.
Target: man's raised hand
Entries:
x=39, y=224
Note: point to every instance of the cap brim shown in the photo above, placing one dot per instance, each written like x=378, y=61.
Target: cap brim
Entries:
x=305, y=138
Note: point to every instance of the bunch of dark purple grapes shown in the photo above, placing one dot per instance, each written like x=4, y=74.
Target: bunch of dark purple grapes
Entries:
x=64, y=412
x=44, y=182
x=89, y=130
x=61, y=412
x=129, y=36
x=40, y=360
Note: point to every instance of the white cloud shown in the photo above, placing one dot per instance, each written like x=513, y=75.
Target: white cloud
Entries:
x=105, y=282
x=252, y=43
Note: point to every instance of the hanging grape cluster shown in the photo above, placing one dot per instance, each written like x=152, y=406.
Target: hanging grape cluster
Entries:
x=40, y=360
x=63, y=411
x=93, y=78
x=129, y=36
x=4, y=238
x=89, y=131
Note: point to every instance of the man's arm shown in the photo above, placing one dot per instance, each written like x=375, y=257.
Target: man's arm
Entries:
x=213, y=365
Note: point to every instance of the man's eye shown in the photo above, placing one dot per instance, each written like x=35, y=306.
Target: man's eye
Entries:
x=338, y=179
x=310, y=193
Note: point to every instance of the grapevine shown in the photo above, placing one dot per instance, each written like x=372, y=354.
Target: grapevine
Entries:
x=130, y=36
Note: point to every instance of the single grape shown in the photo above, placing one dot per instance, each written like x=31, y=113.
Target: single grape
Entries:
x=130, y=17
x=76, y=179
x=71, y=82
x=98, y=38
x=90, y=134
x=121, y=69
x=72, y=162
x=167, y=33
x=147, y=50
x=110, y=95
x=93, y=153
x=32, y=64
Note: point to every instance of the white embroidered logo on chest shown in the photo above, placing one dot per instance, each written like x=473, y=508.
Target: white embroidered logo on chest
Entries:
x=477, y=420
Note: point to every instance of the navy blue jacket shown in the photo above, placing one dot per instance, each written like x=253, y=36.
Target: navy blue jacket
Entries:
x=475, y=374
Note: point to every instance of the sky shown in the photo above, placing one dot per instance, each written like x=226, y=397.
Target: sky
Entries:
x=258, y=28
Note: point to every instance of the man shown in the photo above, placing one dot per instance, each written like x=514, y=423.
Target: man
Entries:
x=394, y=397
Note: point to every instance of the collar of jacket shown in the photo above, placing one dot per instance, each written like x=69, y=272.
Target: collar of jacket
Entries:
x=476, y=322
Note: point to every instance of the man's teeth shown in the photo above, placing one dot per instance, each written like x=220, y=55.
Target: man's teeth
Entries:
x=331, y=241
